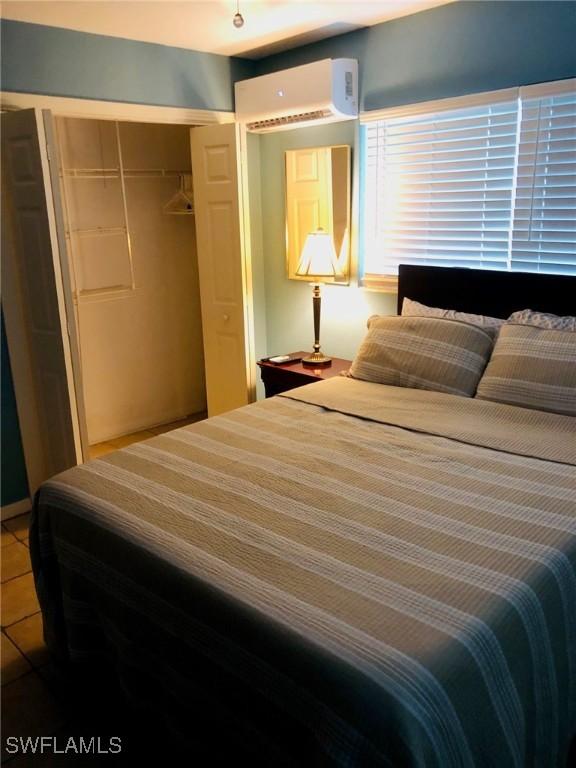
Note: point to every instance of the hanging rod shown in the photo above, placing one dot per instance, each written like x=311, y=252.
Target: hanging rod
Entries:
x=155, y=172
x=129, y=173
x=99, y=231
x=91, y=173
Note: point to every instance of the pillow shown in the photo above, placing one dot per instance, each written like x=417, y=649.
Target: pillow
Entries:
x=411, y=308
x=424, y=353
x=543, y=320
x=534, y=368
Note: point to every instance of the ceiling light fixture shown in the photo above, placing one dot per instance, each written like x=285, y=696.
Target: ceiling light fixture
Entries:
x=238, y=19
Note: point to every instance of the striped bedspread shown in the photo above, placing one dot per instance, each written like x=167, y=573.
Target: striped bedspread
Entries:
x=350, y=574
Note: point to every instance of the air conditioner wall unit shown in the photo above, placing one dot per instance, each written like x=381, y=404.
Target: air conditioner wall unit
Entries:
x=322, y=92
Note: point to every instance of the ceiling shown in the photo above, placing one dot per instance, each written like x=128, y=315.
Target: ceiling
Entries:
x=206, y=25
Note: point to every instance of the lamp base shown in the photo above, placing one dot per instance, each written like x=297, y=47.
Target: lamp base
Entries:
x=316, y=360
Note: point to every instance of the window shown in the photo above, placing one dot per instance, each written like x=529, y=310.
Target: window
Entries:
x=544, y=222
x=487, y=181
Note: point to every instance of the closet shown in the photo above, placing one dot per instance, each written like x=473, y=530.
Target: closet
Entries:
x=131, y=243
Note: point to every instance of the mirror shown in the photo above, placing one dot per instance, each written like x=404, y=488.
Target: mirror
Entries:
x=318, y=195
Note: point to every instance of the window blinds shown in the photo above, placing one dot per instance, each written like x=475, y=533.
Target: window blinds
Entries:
x=544, y=224
x=490, y=186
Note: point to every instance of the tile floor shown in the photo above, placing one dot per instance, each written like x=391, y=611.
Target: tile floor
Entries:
x=32, y=689
x=28, y=705
x=101, y=449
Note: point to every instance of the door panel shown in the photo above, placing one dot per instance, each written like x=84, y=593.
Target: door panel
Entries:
x=224, y=283
x=305, y=219
x=220, y=164
x=33, y=302
x=220, y=254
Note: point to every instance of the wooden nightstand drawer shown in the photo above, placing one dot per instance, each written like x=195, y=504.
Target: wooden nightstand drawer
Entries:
x=281, y=378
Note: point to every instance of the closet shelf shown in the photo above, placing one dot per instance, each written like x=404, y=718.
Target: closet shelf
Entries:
x=154, y=173
x=129, y=173
x=100, y=231
x=91, y=173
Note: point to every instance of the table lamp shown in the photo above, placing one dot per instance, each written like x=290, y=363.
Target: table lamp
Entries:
x=318, y=260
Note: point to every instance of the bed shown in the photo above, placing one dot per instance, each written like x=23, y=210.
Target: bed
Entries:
x=350, y=574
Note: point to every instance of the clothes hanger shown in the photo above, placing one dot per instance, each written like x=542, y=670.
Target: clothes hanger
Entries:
x=181, y=203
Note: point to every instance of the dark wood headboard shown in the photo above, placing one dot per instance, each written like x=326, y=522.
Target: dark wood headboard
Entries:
x=487, y=292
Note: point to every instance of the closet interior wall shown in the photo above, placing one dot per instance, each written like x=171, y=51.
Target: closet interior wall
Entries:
x=135, y=273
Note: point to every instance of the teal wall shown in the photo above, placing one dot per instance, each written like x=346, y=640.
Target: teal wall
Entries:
x=63, y=62
x=463, y=47
x=14, y=483
x=451, y=50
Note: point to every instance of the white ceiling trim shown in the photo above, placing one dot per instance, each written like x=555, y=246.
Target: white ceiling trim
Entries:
x=113, y=110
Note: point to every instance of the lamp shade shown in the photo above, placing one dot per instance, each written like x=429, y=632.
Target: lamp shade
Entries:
x=318, y=257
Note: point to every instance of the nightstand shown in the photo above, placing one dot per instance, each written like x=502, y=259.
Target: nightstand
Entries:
x=280, y=378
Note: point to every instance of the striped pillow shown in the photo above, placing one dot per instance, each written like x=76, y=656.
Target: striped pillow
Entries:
x=534, y=368
x=543, y=320
x=411, y=308
x=424, y=353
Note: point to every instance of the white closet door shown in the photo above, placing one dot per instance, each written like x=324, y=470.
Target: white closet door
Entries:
x=54, y=164
x=221, y=267
x=33, y=302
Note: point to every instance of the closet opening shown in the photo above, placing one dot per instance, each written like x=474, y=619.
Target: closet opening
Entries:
x=127, y=194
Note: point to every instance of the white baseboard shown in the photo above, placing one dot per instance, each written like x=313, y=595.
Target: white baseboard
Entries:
x=15, y=509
